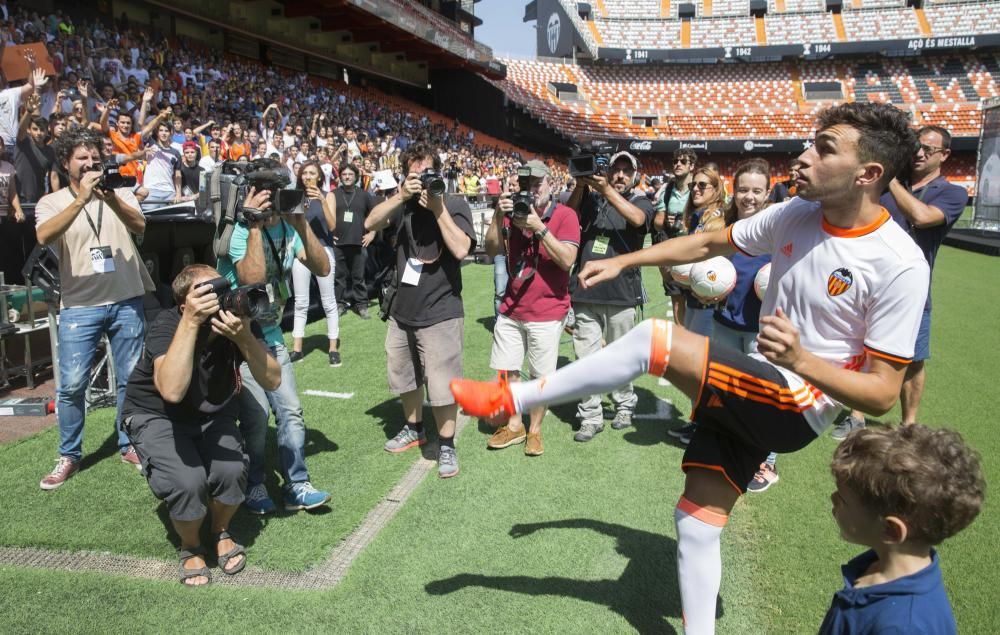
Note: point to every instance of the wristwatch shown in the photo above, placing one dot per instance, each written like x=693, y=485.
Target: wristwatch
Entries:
x=541, y=235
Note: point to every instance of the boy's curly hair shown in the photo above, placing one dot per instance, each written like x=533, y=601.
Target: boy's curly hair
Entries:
x=73, y=139
x=928, y=477
x=884, y=133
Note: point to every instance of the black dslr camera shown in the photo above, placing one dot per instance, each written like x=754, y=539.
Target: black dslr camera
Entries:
x=432, y=182
x=111, y=178
x=523, y=198
x=591, y=163
x=249, y=301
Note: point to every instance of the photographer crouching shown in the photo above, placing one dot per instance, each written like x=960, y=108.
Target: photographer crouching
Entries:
x=540, y=239
x=181, y=409
x=426, y=318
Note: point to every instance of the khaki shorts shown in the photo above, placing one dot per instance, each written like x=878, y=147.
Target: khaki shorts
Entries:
x=426, y=355
x=513, y=340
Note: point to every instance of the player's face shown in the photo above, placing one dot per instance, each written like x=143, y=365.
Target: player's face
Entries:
x=829, y=169
x=931, y=153
x=857, y=523
x=751, y=192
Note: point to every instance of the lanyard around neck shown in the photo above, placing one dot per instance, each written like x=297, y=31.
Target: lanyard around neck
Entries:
x=100, y=216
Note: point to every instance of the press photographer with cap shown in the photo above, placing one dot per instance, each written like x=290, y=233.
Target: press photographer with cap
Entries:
x=181, y=407
x=540, y=239
x=614, y=220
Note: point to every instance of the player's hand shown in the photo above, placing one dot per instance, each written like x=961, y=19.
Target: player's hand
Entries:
x=231, y=327
x=778, y=340
x=200, y=304
x=598, y=271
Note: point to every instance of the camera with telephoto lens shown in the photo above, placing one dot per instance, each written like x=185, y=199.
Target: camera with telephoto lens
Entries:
x=432, y=182
x=111, y=178
x=259, y=174
x=523, y=198
x=249, y=301
x=593, y=163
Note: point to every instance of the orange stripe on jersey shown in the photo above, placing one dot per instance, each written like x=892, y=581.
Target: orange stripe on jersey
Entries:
x=659, y=347
x=744, y=384
x=704, y=515
x=840, y=232
x=891, y=358
x=729, y=236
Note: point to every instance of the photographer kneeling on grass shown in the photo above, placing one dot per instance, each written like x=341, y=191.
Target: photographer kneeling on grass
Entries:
x=181, y=410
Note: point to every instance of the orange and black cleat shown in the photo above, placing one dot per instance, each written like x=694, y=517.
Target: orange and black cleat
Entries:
x=490, y=400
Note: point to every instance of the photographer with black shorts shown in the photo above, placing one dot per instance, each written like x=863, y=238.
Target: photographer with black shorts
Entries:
x=426, y=317
x=181, y=409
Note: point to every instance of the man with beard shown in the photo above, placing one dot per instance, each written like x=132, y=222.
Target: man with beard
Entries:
x=350, y=240
x=614, y=220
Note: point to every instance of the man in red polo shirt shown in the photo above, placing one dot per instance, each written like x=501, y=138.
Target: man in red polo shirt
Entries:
x=541, y=244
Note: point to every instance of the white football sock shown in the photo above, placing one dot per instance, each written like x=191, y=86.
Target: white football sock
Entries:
x=699, y=564
x=615, y=365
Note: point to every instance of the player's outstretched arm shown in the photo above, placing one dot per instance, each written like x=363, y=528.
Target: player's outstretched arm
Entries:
x=676, y=251
x=874, y=392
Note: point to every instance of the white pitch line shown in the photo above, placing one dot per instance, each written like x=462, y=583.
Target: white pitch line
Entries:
x=331, y=395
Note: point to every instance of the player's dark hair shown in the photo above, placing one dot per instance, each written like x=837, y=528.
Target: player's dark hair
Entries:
x=73, y=139
x=884, y=134
x=927, y=477
x=945, y=135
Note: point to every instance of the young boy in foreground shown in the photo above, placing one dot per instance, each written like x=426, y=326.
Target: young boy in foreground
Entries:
x=900, y=491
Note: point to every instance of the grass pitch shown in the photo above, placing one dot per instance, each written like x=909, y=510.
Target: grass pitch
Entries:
x=578, y=540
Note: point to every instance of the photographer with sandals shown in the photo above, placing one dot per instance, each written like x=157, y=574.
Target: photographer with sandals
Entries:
x=181, y=409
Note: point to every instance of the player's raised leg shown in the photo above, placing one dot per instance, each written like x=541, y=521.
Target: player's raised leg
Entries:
x=655, y=346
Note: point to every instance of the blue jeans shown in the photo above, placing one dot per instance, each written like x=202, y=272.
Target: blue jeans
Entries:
x=255, y=409
x=80, y=331
x=500, y=277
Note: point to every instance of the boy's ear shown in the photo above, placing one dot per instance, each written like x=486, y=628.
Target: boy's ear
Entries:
x=894, y=530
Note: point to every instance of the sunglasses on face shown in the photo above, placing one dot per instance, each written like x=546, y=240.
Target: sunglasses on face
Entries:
x=681, y=161
x=702, y=185
x=930, y=151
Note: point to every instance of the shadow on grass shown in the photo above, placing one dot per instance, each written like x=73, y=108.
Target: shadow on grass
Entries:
x=108, y=448
x=315, y=342
x=644, y=595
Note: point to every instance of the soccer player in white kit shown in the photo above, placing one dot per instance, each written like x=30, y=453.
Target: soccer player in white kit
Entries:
x=838, y=326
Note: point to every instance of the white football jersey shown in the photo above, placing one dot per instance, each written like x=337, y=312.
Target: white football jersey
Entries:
x=850, y=293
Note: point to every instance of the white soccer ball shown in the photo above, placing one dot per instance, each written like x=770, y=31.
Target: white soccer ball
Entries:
x=713, y=279
x=681, y=274
x=761, y=279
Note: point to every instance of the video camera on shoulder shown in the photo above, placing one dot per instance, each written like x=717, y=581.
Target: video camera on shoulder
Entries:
x=249, y=301
x=111, y=177
x=595, y=162
x=522, y=199
x=259, y=174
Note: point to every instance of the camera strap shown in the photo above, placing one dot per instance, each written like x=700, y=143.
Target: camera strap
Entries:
x=278, y=261
x=100, y=216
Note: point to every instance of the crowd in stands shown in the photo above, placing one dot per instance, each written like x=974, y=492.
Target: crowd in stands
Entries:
x=721, y=24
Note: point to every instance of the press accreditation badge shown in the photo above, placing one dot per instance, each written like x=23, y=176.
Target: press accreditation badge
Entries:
x=411, y=274
x=102, y=260
x=348, y=217
x=600, y=245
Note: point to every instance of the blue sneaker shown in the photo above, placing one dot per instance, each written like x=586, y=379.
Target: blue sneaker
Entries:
x=304, y=496
x=258, y=502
